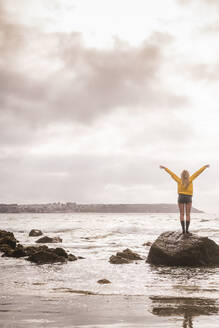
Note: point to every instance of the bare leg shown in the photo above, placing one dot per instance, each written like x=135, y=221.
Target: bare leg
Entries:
x=188, y=211
x=181, y=210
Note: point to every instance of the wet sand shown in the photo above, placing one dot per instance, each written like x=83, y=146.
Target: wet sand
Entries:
x=75, y=310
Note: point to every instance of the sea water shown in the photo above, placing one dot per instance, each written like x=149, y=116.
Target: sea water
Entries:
x=97, y=236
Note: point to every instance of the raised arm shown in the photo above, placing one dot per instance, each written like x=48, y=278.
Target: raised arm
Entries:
x=173, y=175
x=196, y=174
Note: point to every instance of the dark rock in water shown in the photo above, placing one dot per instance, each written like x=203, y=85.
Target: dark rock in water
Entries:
x=104, y=281
x=177, y=249
x=40, y=254
x=148, y=243
x=8, y=241
x=118, y=260
x=124, y=257
x=44, y=254
x=34, y=249
x=60, y=252
x=45, y=257
x=7, y=238
x=35, y=233
x=6, y=249
x=4, y=233
x=56, y=240
x=17, y=252
x=72, y=257
x=128, y=254
x=46, y=240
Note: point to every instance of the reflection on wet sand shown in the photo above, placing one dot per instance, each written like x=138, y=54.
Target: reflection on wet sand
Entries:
x=188, y=307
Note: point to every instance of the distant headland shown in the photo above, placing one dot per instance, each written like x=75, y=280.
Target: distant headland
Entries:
x=98, y=208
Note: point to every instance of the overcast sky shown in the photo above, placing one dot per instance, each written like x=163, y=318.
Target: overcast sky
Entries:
x=95, y=95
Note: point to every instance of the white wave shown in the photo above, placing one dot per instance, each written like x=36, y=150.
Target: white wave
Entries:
x=132, y=229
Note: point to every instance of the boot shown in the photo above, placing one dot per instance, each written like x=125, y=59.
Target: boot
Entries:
x=183, y=226
x=187, y=226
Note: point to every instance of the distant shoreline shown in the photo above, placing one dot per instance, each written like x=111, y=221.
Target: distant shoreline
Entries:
x=72, y=207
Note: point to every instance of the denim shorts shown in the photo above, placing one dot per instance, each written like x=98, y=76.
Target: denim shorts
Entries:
x=184, y=199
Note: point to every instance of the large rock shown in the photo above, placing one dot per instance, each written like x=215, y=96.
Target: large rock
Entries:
x=176, y=249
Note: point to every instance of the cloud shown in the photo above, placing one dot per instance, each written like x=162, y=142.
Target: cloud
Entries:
x=52, y=76
x=204, y=71
x=208, y=2
x=103, y=80
x=210, y=28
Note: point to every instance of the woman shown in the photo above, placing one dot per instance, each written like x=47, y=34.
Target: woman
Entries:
x=185, y=191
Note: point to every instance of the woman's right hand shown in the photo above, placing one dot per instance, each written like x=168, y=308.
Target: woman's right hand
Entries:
x=162, y=167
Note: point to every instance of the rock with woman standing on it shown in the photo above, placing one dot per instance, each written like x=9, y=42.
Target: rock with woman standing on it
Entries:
x=173, y=248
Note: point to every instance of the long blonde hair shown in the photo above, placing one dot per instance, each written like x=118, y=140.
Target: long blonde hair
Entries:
x=185, y=178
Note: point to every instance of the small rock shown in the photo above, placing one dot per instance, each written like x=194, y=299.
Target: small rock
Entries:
x=130, y=255
x=35, y=233
x=148, y=243
x=81, y=258
x=57, y=240
x=104, y=281
x=114, y=259
x=126, y=256
x=46, y=240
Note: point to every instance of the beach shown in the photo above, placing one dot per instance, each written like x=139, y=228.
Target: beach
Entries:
x=138, y=295
x=106, y=311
